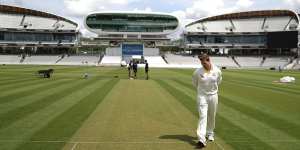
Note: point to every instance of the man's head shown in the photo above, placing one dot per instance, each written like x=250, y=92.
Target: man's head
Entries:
x=205, y=61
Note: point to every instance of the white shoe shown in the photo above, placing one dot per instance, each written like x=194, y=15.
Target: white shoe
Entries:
x=210, y=138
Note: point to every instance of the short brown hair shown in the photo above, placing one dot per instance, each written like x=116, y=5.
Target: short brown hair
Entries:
x=203, y=56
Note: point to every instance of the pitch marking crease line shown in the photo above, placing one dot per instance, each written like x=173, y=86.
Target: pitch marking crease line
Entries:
x=141, y=142
x=74, y=146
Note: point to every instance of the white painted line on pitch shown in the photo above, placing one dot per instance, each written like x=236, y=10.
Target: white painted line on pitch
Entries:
x=24, y=141
x=219, y=145
x=267, y=141
x=136, y=142
x=87, y=142
x=142, y=142
x=74, y=146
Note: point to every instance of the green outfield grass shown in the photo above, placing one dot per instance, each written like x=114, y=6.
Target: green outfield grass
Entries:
x=109, y=112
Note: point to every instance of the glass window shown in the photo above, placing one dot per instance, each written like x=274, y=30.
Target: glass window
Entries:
x=8, y=37
x=219, y=39
x=132, y=23
x=23, y=37
x=64, y=37
x=1, y=36
x=247, y=39
x=43, y=37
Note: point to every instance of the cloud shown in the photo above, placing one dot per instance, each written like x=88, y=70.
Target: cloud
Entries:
x=293, y=4
x=292, y=1
x=183, y=21
x=201, y=8
x=12, y=2
x=147, y=9
x=204, y=8
x=244, y=3
x=83, y=7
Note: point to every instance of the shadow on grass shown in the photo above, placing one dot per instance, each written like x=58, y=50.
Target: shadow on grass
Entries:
x=184, y=138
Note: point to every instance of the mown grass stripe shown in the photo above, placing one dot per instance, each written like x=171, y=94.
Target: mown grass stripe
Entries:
x=14, y=80
x=280, y=104
x=241, y=77
x=11, y=78
x=11, y=89
x=65, y=125
x=189, y=86
x=22, y=101
x=277, y=123
x=186, y=72
x=20, y=71
x=225, y=127
x=13, y=115
x=24, y=128
x=271, y=88
x=267, y=91
x=260, y=73
x=22, y=67
x=236, y=136
x=261, y=130
x=264, y=82
x=286, y=109
x=26, y=91
x=185, y=99
x=19, y=84
x=6, y=119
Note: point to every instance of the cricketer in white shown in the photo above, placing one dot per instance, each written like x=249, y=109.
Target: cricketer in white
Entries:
x=206, y=80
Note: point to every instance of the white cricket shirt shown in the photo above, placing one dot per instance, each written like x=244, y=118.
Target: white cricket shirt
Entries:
x=207, y=82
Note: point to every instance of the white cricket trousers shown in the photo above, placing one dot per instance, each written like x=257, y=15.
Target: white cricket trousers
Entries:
x=207, y=107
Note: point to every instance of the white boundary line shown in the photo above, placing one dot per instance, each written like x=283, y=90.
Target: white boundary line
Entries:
x=74, y=146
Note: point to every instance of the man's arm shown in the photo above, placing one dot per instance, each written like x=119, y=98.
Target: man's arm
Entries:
x=219, y=77
x=195, y=79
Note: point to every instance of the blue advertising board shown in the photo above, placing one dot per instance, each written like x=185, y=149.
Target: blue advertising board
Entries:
x=132, y=49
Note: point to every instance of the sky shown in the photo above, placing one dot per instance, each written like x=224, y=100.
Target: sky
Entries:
x=186, y=10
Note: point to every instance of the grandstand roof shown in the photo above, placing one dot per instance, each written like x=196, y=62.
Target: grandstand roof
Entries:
x=249, y=14
x=25, y=11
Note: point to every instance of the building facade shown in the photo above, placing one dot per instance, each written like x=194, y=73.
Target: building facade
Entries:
x=22, y=28
x=273, y=30
x=131, y=33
